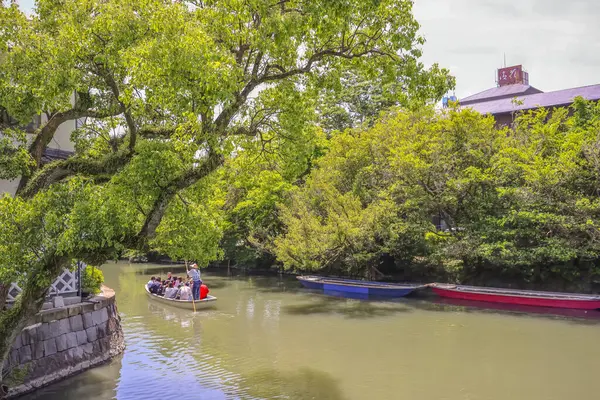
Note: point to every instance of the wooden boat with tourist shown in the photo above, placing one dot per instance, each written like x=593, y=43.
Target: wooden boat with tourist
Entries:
x=520, y=297
x=186, y=304
x=369, y=288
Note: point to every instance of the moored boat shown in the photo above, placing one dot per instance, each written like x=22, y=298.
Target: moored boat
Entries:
x=369, y=288
x=520, y=297
x=186, y=304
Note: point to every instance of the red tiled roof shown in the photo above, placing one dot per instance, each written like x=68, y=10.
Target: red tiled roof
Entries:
x=548, y=99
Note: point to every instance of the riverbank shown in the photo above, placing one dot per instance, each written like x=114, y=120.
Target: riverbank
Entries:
x=64, y=341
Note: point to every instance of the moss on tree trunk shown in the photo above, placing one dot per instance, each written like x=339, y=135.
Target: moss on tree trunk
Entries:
x=4, y=288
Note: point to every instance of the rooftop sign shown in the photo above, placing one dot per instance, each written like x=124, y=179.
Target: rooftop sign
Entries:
x=512, y=75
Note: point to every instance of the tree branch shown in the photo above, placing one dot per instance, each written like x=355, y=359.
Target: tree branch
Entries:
x=183, y=181
x=151, y=132
x=112, y=84
x=58, y=170
x=44, y=135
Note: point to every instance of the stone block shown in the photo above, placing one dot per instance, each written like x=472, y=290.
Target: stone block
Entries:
x=81, y=337
x=61, y=313
x=98, y=347
x=36, y=319
x=101, y=331
x=43, y=332
x=25, y=354
x=58, y=302
x=53, y=326
x=50, y=347
x=100, y=316
x=88, y=348
x=64, y=326
x=54, y=314
x=38, y=350
x=104, y=344
x=74, y=310
x=71, y=340
x=13, y=358
x=61, y=343
x=76, y=323
x=75, y=354
x=87, y=307
x=92, y=334
x=18, y=342
x=72, y=300
x=60, y=327
x=88, y=321
x=30, y=333
x=98, y=305
x=46, y=366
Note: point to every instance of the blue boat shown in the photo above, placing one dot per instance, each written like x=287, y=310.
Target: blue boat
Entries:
x=368, y=288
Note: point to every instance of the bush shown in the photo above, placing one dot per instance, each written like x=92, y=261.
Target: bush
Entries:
x=91, y=279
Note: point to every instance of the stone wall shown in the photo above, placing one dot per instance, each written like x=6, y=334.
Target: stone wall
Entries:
x=65, y=341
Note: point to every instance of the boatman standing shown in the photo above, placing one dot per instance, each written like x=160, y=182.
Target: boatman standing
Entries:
x=195, y=275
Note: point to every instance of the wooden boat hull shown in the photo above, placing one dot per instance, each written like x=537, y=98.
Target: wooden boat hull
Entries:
x=535, y=299
x=185, y=304
x=365, y=288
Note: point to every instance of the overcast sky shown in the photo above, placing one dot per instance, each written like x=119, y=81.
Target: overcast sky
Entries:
x=557, y=41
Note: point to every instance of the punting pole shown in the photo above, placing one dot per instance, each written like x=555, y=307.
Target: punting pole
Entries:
x=193, y=300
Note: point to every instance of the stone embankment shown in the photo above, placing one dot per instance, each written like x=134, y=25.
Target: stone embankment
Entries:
x=65, y=341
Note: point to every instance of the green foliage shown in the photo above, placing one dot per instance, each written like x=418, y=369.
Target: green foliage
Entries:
x=360, y=100
x=520, y=203
x=193, y=226
x=14, y=158
x=91, y=279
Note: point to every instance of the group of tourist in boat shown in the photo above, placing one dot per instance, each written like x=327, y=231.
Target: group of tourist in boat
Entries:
x=178, y=288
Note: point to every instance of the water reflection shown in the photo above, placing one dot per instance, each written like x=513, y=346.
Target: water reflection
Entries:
x=268, y=338
x=355, y=309
x=303, y=384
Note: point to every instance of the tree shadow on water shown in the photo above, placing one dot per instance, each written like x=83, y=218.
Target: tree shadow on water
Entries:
x=349, y=308
x=302, y=384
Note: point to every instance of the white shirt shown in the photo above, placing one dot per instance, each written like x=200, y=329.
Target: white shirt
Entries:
x=194, y=274
x=185, y=293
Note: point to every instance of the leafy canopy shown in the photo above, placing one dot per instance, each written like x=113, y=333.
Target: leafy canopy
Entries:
x=449, y=191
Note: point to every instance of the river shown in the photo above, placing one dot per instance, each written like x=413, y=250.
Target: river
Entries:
x=267, y=338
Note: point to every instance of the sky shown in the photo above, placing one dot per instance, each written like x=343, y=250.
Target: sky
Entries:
x=556, y=41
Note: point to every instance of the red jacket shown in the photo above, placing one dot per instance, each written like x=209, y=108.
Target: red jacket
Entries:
x=203, y=291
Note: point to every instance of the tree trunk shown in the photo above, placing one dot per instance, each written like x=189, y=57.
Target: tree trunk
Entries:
x=28, y=303
x=4, y=288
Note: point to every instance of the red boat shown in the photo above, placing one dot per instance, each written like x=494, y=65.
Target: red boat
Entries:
x=521, y=297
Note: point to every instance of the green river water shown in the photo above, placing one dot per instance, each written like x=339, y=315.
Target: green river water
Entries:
x=268, y=338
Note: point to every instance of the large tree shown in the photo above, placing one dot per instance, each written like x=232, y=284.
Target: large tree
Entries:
x=165, y=93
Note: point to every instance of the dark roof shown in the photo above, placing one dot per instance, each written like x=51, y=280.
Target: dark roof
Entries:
x=500, y=92
x=548, y=99
x=55, y=154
